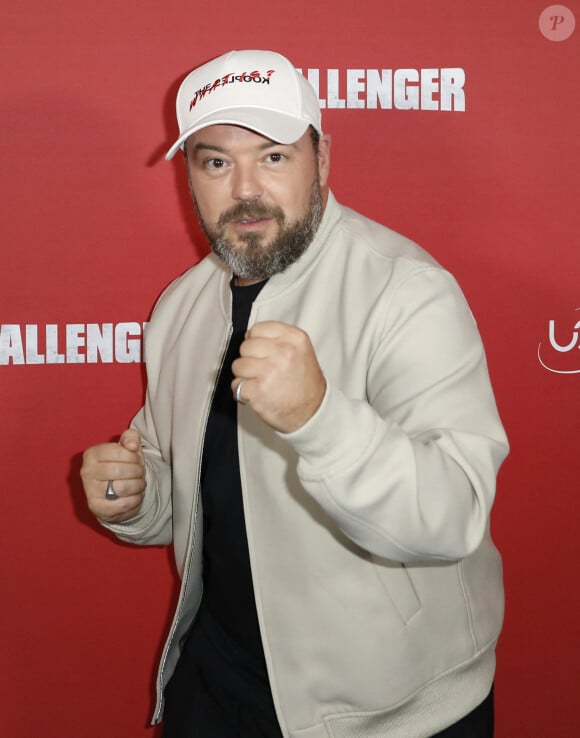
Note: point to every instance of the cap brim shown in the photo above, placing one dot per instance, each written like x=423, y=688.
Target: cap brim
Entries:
x=276, y=126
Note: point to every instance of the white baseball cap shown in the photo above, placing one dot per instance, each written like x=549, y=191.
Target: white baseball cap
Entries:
x=259, y=90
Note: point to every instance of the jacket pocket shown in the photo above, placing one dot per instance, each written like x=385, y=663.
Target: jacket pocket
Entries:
x=397, y=584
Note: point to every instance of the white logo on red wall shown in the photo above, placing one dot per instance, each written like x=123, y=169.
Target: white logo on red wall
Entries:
x=73, y=343
x=560, y=354
x=557, y=23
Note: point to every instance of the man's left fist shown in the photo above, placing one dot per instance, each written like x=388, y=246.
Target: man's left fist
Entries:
x=280, y=375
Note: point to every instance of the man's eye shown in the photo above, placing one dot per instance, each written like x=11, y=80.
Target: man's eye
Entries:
x=215, y=163
x=275, y=157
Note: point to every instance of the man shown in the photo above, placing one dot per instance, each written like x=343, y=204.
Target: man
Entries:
x=319, y=442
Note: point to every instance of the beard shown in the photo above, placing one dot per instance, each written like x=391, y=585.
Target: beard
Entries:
x=255, y=259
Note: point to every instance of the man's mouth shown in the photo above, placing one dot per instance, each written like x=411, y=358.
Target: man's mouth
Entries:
x=250, y=225
x=244, y=216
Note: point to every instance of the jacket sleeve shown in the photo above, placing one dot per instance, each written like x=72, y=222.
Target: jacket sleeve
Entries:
x=153, y=524
x=409, y=472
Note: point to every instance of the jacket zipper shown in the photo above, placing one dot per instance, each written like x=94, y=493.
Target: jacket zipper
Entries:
x=196, y=491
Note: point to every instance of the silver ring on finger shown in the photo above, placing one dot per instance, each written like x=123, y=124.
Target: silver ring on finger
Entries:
x=238, y=396
x=110, y=494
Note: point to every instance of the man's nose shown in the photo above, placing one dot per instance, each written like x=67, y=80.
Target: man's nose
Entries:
x=246, y=183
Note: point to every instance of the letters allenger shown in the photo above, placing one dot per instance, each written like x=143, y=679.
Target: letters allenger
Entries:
x=386, y=89
x=78, y=343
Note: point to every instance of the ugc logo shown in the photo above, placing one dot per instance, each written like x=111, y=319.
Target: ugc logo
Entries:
x=559, y=356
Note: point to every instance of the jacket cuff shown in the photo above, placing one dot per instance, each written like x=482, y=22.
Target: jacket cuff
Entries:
x=326, y=442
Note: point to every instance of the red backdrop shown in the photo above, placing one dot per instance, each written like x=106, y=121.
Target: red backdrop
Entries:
x=95, y=223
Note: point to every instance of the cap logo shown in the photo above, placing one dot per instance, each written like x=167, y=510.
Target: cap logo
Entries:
x=255, y=77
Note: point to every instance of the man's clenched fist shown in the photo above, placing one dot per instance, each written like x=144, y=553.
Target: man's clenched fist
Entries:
x=123, y=464
x=282, y=379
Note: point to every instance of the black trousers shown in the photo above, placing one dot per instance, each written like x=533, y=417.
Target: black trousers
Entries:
x=219, y=692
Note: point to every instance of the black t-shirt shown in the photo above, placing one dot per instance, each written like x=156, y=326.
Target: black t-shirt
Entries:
x=228, y=591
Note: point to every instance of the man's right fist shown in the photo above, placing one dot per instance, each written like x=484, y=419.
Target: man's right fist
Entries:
x=121, y=463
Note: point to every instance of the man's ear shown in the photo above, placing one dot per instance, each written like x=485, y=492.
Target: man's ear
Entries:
x=324, y=158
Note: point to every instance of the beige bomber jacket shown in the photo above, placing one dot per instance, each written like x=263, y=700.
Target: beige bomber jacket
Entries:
x=378, y=587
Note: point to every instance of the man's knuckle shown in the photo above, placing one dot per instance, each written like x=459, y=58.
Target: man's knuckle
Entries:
x=287, y=352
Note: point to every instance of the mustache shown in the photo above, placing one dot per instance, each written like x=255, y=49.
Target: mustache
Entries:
x=250, y=211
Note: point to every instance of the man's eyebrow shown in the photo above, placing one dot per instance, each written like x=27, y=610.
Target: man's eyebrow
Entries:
x=201, y=146
x=274, y=144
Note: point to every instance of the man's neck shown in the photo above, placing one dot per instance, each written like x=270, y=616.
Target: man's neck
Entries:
x=244, y=281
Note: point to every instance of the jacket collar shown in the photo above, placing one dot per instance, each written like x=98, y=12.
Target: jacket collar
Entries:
x=281, y=282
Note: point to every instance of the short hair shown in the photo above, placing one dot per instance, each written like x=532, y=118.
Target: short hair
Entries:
x=315, y=138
